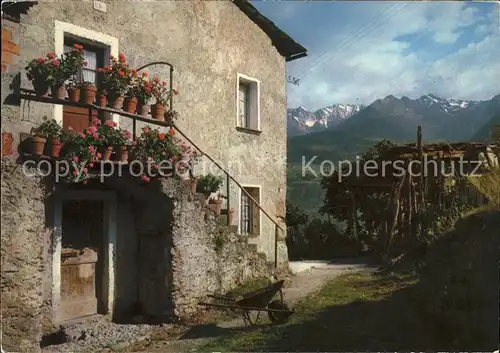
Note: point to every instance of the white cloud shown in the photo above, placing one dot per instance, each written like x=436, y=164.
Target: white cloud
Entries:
x=375, y=66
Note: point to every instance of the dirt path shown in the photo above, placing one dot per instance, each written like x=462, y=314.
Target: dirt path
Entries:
x=302, y=284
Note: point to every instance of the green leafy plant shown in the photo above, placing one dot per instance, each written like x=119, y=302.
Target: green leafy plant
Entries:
x=71, y=64
x=44, y=70
x=49, y=129
x=141, y=89
x=208, y=184
x=160, y=150
x=81, y=152
x=108, y=134
x=117, y=76
x=161, y=92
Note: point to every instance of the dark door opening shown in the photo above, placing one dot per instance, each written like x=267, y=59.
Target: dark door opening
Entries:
x=82, y=258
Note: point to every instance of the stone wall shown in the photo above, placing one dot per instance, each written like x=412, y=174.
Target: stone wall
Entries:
x=172, y=251
x=209, y=43
x=22, y=243
x=204, y=256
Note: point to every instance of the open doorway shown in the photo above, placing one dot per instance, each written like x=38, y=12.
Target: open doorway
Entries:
x=82, y=258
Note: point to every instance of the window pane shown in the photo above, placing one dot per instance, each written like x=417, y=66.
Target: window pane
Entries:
x=91, y=58
x=243, y=105
x=246, y=214
x=89, y=75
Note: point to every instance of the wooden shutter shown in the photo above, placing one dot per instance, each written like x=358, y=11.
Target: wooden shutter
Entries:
x=243, y=105
x=255, y=213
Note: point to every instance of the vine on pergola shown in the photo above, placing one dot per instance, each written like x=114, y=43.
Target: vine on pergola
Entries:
x=396, y=209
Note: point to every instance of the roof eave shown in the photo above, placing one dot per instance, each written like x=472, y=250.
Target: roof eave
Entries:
x=286, y=46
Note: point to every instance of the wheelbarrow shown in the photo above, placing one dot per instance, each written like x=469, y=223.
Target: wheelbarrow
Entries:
x=260, y=300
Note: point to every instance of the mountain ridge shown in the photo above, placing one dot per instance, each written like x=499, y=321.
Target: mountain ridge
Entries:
x=430, y=110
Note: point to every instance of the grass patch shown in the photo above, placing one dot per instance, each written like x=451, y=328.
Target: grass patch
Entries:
x=449, y=304
x=352, y=312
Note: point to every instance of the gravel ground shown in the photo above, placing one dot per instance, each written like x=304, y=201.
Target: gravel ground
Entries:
x=97, y=333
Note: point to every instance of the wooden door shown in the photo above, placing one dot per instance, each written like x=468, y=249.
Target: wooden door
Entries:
x=81, y=265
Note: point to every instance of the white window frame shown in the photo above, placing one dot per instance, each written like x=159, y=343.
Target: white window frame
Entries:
x=254, y=100
x=240, y=192
x=63, y=29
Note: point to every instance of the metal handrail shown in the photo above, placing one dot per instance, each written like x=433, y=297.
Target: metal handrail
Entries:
x=171, y=77
x=228, y=175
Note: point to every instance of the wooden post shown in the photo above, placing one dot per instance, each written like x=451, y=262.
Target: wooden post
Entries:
x=228, y=181
x=421, y=158
x=276, y=233
x=354, y=217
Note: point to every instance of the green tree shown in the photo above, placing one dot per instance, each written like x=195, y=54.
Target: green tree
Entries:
x=495, y=133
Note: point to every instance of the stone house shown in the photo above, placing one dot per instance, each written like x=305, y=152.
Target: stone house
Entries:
x=153, y=246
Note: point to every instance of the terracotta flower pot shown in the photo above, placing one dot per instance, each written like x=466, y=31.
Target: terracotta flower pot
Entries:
x=143, y=109
x=194, y=184
x=56, y=147
x=74, y=94
x=130, y=105
x=123, y=154
x=217, y=205
x=230, y=216
x=103, y=101
x=37, y=145
x=41, y=87
x=117, y=102
x=89, y=92
x=158, y=112
x=106, y=156
x=58, y=92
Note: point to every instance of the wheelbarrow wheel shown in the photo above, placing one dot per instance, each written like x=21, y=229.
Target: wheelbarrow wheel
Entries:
x=277, y=317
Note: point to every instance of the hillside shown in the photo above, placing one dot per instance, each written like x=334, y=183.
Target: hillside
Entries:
x=389, y=118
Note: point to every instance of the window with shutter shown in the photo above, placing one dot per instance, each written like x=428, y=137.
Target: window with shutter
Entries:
x=75, y=117
x=244, y=106
x=248, y=106
x=250, y=212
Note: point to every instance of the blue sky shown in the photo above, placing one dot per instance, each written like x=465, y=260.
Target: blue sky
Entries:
x=362, y=51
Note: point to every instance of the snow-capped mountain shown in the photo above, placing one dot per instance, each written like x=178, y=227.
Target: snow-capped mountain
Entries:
x=430, y=111
x=447, y=105
x=302, y=121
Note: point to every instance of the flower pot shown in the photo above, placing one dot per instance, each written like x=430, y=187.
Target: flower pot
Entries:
x=230, y=216
x=58, y=92
x=117, y=102
x=74, y=94
x=123, y=154
x=158, y=112
x=41, y=87
x=194, y=183
x=89, y=92
x=106, y=155
x=56, y=146
x=37, y=145
x=130, y=104
x=217, y=205
x=143, y=109
x=103, y=101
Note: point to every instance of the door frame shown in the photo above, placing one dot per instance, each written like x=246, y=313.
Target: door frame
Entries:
x=110, y=228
